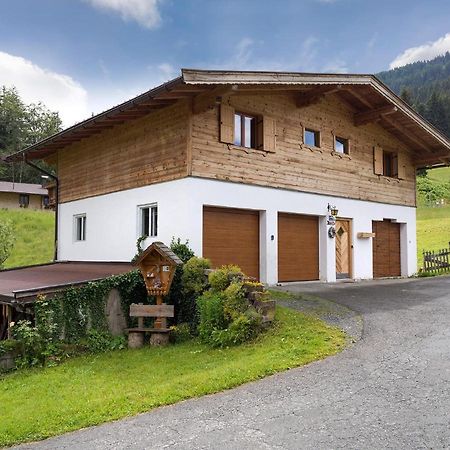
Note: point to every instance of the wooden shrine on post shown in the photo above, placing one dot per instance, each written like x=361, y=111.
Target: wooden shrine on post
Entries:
x=157, y=265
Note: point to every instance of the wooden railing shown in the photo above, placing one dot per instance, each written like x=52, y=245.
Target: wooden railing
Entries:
x=437, y=261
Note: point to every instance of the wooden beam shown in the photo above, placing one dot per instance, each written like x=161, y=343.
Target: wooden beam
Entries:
x=373, y=115
x=432, y=158
x=407, y=134
x=315, y=95
x=354, y=93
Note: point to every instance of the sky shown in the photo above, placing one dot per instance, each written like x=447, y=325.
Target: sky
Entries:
x=81, y=57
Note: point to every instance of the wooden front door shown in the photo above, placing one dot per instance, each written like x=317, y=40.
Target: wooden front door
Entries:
x=298, y=247
x=386, y=249
x=231, y=236
x=343, y=249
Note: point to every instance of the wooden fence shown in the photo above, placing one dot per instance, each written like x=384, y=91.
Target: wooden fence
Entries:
x=437, y=261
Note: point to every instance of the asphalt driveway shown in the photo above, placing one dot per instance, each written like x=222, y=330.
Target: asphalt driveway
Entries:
x=391, y=389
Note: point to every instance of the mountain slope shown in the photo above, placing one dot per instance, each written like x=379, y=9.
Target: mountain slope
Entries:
x=425, y=85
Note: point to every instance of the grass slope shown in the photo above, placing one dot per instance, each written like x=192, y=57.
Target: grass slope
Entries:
x=90, y=390
x=440, y=174
x=34, y=236
x=433, y=224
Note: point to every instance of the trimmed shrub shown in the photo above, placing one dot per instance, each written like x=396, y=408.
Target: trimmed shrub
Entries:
x=221, y=278
x=194, y=279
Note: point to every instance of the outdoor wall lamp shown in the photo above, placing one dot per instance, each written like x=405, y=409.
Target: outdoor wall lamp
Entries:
x=332, y=210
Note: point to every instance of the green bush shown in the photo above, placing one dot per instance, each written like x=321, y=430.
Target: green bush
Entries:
x=243, y=328
x=211, y=315
x=221, y=278
x=180, y=333
x=235, y=302
x=227, y=318
x=101, y=341
x=183, y=309
x=34, y=349
x=9, y=345
x=194, y=279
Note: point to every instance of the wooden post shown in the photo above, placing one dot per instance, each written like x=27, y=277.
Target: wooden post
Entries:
x=9, y=321
x=160, y=322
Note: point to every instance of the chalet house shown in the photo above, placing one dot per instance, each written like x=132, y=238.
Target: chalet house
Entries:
x=23, y=195
x=248, y=167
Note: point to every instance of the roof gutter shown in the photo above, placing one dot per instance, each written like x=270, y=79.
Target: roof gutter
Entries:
x=55, y=178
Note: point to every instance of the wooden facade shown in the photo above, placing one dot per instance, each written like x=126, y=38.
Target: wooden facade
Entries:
x=294, y=165
x=185, y=128
x=175, y=142
x=147, y=150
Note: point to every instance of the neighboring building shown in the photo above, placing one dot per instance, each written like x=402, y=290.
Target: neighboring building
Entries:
x=245, y=165
x=23, y=195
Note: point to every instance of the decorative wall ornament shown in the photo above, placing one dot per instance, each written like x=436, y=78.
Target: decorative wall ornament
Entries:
x=332, y=232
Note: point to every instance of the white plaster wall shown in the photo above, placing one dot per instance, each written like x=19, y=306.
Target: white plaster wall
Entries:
x=112, y=222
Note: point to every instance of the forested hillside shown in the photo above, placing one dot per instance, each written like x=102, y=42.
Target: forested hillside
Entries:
x=21, y=125
x=424, y=85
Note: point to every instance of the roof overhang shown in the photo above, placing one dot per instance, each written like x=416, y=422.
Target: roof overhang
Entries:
x=371, y=100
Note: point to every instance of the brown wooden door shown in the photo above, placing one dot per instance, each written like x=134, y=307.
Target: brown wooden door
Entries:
x=343, y=249
x=298, y=247
x=231, y=236
x=386, y=249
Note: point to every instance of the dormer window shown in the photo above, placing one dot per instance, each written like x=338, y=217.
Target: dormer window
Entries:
x=244, y=130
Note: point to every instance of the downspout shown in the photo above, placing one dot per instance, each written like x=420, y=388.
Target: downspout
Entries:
x=55, y=178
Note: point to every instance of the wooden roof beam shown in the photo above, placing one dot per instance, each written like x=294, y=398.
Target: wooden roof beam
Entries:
x=354, y=93
x=316, y=94
x=431, y=159
x=407, y=134
x=373, y=115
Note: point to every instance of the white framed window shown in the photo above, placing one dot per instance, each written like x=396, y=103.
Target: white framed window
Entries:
x=79, y=227
x=148, y=220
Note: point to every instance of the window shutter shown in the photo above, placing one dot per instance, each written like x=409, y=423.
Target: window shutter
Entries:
x=269, y=134
x=378, y=160
x=401, y=166
x=226, y=123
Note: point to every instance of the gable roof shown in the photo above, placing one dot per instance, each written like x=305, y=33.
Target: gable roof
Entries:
x=22, y=188
x=368, y=96
x=163, y=250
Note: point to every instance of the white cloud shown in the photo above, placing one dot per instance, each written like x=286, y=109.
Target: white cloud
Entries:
x=423, y=52
x=144, y=12
x=58, y=92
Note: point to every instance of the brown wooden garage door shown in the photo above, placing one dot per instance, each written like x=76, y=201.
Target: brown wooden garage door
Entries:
x=298, y=247
x=231, y=236
x=386, y=249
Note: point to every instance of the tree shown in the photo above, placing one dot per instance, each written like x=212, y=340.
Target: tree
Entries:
x=406, y=96
x=22, y=125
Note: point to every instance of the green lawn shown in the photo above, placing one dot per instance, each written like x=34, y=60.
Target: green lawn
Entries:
x=433, y=229
x=440, y=174
x=90, y=390
x=34, y=236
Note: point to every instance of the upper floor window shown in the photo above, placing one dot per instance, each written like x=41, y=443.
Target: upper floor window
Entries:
x=244, y=130
x=312, y=137
x=24, y=200
x=390, y=164
x=80, y=227
x=341, y=145
x=148, y=216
